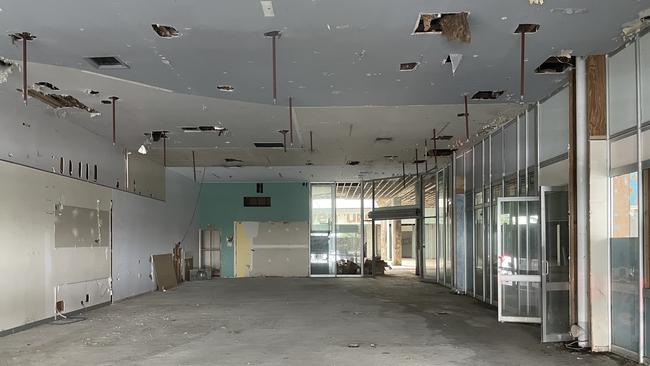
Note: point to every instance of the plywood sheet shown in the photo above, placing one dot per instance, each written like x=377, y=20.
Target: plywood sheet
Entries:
x=163, y=270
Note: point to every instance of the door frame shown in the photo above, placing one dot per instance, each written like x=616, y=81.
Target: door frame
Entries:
x=517, y=278
x=560, y=337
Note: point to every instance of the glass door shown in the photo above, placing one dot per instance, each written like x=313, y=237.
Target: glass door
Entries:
x=322, y=253
x=555, y=264
x=518, y=269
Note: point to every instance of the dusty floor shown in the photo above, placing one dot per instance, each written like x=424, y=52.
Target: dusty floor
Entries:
x=394, y=321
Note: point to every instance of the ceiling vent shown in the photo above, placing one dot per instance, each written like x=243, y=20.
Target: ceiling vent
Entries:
x=408, y=66
x=556, y=65
x=269, y=145
x=165, y=31
x=487, y=95
x=107, y=62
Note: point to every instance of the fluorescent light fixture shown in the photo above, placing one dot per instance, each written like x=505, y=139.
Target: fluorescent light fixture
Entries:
x=143, y=150
x=267, y=8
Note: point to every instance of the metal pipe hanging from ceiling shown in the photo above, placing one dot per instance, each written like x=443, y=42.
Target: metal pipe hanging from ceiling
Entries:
x=113, y=102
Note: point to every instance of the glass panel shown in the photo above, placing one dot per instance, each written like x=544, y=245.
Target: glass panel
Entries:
x=624, y=153
x=348, y=229
x=486, y=163
x=556, y=257
x=449, y=249
x=399, y=191
x=478, y=166
x=496, y=157
x=469, y=252
x=491, y=259
x=644, y=45
x=441, y=226
x=554, y=126
x=531, y=137
x=520, y=299
x=521, y=123
x=478, y=267
x=625, y=262
x=430, y=263
x=532, y=182
x=511, y=187
x=322, y=255
x=622, y=90
x=458, y=215
x=510, y=148
x=429, y=183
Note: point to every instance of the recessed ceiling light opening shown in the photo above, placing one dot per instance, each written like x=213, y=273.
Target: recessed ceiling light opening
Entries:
x=165, y=31
x=408, y=66
x=487, y=95
x=527, y=28
x=556, y=65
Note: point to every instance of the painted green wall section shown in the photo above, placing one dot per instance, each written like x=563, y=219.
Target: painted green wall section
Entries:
x=221, y=204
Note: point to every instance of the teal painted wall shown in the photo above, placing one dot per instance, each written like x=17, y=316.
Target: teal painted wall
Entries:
x=221, y=204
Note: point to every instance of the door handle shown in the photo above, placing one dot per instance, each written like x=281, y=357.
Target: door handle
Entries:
x=545, y=265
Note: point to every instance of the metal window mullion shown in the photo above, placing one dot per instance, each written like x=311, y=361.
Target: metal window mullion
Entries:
x=639, y=188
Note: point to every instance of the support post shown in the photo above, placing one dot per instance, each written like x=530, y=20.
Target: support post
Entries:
x=582, y=201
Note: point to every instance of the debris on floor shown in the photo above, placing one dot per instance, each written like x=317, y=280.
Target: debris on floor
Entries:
x=347, y=267
x=380, y=266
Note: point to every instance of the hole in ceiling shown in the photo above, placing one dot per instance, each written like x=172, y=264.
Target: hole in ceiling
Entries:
x=107, y=62
x=157, y=135
x=454, y=26
x=106, y=101
x=225, y=88
x=446, y=137
x=196, y=129
x=269, y=145
x=556, y=65
x=391, y=157
x=5, y=63
x=353, y=162
x=440, y=152
x=420, y=161
x=408, y=66
x=383, y=139
x=233, y=160
x=165, y=31
x=57, y=101
x=92, y=92
x=487, y=95
x=46, y=85
x=309, y=163
x=267, y=8
x=527, y=28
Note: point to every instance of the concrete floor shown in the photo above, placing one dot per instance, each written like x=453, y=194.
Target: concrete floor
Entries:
x=394, y=320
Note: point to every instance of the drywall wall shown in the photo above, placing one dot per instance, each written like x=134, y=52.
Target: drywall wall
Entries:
x=273, y=249
x=146, y=176
x=143, y=226
x=222, y=204
x=39, y=265
x=34, y=136
x=556, y=174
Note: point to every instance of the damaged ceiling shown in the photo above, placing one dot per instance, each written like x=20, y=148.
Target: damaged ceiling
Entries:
x=208, y=63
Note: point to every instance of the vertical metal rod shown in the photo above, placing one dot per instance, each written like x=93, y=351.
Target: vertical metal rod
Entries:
x=426, y=156
x=435, y=150
x=25, y=68
x=417, y=165
x=164, y=152
x=523, y=61
x=275, y=90
x=113, y=106
x=291, y=120
x=311, y=141
x=194, y=164
x=466, y=119
x=374, y=233
x=284, y=138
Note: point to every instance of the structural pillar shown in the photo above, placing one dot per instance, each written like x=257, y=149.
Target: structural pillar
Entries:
x=582, y=203
x=397, y=242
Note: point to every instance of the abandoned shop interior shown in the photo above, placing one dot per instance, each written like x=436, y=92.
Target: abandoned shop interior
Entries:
x=325, y=182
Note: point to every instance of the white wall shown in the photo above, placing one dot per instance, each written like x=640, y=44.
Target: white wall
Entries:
x=32, y=266
x=144, y=226
x=146, y=176
x=34, y=136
